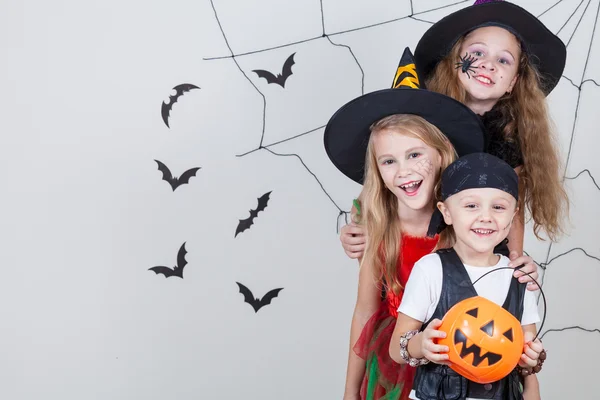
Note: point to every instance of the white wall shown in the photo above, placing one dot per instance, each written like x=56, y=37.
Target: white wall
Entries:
x=85, y=212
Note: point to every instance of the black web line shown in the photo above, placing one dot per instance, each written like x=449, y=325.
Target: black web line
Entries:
x=369, y=26
x=591, y=43
x=243, y=73
x=323, y=17
x=551, y=7
x=546, y=264
x=324, y=34
x=578, y=22
x=362, y=72
x=579, y=94
x=422, y=20
x=314, y=176
x=569, y=328
x=590, y=175
x=263, y=50
x=280, y=141
x=575, y=118
x=580, y=86
x=590, y=80
x=571, y=16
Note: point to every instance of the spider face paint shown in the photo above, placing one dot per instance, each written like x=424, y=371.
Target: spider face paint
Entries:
x=489, y=66
x=466, y=64
x=424, y=167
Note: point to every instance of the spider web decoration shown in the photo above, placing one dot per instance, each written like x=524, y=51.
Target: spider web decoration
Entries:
x=374, y=47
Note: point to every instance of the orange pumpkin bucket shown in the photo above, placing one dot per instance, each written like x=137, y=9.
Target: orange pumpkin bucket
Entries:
x=485, y=340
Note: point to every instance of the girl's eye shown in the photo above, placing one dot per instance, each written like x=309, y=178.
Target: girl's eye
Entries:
x=477, y=53
x=504, y=61
x=500, y=208
x=414, y=155
x=388, y=162
x=470, y=206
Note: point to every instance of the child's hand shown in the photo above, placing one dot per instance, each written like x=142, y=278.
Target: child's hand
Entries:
x=353, y=240
x=531, y=351
x=529, y=266
x=429, y=349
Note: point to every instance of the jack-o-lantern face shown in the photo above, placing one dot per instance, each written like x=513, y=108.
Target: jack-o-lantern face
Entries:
x=485, y=340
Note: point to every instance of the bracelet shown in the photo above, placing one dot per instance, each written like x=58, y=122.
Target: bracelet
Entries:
x=533, y=370
x=413, y=362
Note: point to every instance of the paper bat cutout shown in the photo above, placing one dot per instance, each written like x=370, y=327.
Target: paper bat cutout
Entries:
x=246, y=223
x=175, y=271
x=280, y=79
x=255, y=302
x=174, y=181
x=179, y=91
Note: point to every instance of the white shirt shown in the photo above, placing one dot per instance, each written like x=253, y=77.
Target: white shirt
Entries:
x=424, y=286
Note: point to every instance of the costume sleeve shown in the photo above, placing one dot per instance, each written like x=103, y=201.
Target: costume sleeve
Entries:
x=531, y=313
x=420, y=295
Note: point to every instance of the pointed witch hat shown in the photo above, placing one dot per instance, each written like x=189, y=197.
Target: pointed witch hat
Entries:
x=347, y=132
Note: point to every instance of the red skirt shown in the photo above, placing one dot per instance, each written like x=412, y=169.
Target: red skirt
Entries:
x=384, y=378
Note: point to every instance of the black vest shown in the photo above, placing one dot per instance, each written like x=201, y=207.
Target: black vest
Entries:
x=439, y=382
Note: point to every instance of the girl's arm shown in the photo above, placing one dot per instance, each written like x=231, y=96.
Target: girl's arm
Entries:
x=367, y=302
x=517, y=230
x=515, y=247
x=516, y=234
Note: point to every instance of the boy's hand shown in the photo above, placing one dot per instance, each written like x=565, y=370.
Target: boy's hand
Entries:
x=531, y=351
x=431, y=350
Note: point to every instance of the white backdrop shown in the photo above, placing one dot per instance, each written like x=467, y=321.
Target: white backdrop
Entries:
x=85, y=213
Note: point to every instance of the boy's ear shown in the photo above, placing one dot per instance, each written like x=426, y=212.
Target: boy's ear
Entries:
x=515, y=214
x=445, y=213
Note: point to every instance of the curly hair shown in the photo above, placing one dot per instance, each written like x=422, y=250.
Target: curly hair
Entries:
x=379, y=206
x=525, y=118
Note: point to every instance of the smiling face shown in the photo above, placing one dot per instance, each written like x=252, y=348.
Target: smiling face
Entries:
x=408, y=167
x=481, y=218
x=494, y=73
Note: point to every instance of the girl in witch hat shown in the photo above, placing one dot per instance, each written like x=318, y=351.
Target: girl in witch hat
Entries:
x=395, y=142
x=478, y=200
x=502, y=62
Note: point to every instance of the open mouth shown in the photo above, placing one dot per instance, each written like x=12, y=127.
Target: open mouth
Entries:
x=483, y=232
x=412, y=187
x=484, y=79
x=472, y=348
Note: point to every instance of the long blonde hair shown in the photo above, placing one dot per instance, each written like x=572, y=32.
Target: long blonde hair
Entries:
x=525, y=118
x=379, y=206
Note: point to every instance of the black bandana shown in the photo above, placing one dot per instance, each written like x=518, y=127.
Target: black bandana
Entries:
x=475, y=170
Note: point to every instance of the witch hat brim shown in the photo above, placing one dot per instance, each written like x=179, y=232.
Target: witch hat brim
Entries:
x=548, y=52
x=347, y=132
